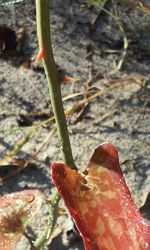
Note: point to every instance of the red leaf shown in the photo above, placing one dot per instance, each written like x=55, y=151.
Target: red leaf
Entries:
x=15, y=212
x=101, y=204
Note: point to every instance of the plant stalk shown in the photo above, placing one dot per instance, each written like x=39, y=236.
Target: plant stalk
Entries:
x=46, y=53
x=44, y=38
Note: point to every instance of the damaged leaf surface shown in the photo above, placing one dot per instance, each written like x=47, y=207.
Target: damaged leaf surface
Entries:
x=16, y=210
x=101, y=204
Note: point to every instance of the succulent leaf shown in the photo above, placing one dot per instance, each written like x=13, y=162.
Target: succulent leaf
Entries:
x=101, y=204
x=16, y=210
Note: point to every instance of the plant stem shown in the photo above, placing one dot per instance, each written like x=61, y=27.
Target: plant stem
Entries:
x=44, y=38
x=43, y=29
x=53, y=213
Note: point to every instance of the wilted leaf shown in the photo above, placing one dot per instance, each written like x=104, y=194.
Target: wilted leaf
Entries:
x=15, y=212
x=101, y=204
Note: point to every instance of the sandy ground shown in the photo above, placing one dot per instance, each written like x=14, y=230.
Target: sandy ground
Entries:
x=87, y=44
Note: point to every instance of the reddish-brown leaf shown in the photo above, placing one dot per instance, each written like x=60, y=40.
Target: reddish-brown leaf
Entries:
x=16, y=210
x=101, y=204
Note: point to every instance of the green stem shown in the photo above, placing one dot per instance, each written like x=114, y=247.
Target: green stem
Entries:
x=43, y=29
x=45, y=236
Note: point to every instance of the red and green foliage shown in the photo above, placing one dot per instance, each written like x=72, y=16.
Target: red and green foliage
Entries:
x=100, y=203
x=16, y=210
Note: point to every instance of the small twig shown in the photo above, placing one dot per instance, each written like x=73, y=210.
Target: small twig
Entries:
x=125, y=47
x=16, y=149
x=47, y=138
x=30, y=239
x=132, y=79
x=126, y=43
x=137, y=5
x=28, y=161
x=33, y=127
x=114, y=85
x=105, y=116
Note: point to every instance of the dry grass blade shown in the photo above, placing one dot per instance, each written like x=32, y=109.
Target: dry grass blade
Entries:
x=138, y=5
x=22, y=163
x=46, y=139
x=125, y=39
x=133, y=79
x=16, y=149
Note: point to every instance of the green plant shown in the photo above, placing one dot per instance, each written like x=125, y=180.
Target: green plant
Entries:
x=100, y=203
x=101, y=189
